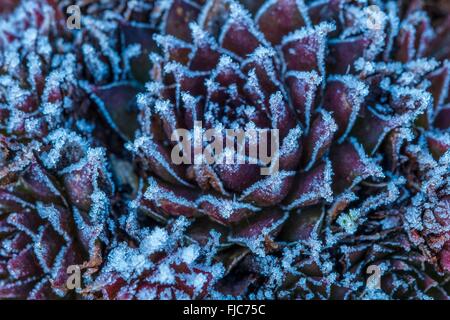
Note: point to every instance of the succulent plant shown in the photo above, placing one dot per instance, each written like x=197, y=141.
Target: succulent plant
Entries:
x=160, y=264
x=357, y=91
x=54, y=214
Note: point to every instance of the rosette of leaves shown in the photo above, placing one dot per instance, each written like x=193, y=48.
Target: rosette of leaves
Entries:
x=331, y=252
x=54, y=213
x=334, y=85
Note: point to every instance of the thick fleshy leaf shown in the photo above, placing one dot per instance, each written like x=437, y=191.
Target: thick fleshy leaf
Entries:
x=157, y=158
x=26, y=222
x=37, y=183
x=393, y=144
x=117, y=105
x=442, y=119
x=206, y=54
x=23, y=265
x=238, y=177
x=308, y=43
x=68, y=256
x=264, y=224
x=303, y=87
x=174, y=49
x=47, y=247
x=344, y=53
x=17, y=289
x=141, y=35
x=225, y=210
x=263, y=80
x=445, y=257
x=271, y=190
x=440, y=46
x=200, y=230
x=320, y=11
x=178, y=17
x=438, y=144
x=371, y=129
x=282, y=116
x=439, y=88
x=82, y=179
x=43, y=291
x=239, y=34
x=319, y=138
x=18, y=243
x=351, y=165
x=414, y=36
x=278, y=18
x=344, y=96
x=311, y=187
x=290, y=150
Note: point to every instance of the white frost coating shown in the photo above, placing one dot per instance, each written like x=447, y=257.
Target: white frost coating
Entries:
x=96, y=67
x=128, y=54
x=155, y=241
x=202, y=38
x=100, y=30
x=51, y=214
x=253, y=86
x=394, y=26
x=320, y=30
x=190, y=254
x=331, y=128
x=277, y=109
x=127, y=261
x=165, y=275
x=131, y=263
